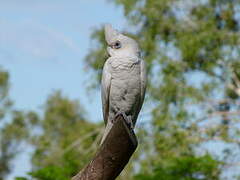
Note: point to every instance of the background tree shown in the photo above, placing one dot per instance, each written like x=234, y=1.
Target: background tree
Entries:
x=12, y=127
x=192, y=52
x=64, y=141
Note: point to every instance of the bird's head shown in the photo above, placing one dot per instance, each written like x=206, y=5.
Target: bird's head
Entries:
x=120, y=45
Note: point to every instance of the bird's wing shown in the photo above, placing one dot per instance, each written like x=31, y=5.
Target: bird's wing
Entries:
x=143, y=80
x=105, y=90
x=143, y=83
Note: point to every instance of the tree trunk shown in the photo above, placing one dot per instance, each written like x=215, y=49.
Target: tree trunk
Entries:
x=113, y=154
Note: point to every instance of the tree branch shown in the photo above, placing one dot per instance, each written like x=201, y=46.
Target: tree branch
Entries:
x=113, y=154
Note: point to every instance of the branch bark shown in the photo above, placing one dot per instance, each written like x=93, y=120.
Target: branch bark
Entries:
x=113, y=154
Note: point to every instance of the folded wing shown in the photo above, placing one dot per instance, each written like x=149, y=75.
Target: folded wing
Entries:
x=105, y=90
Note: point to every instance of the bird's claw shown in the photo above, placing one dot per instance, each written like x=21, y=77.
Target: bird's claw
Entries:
x=127, y=119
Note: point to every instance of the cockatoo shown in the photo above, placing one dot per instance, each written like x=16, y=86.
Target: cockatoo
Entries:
x=123, y=79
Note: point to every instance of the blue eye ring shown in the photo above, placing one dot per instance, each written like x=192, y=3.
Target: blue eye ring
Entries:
x=116, y=45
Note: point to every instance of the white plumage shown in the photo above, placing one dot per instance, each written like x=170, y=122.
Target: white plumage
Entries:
x=123, y=79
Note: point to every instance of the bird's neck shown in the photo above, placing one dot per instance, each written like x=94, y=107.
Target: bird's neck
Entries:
x=126, y=54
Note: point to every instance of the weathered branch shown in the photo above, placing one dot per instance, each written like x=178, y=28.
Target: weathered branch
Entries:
x=113, y=154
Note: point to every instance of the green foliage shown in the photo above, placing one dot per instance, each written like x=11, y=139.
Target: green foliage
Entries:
x=51, y=173
x=65, y=141
x=21, y=178
x=12, y=127
x=184, y=168
x=5, y=102
x=63, y=171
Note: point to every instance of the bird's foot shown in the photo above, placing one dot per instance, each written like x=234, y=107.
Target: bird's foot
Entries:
x=127, y=119
x=119, y=113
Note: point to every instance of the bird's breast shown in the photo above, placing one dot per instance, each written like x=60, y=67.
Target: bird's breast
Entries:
x=125, y=66
x=126, y=74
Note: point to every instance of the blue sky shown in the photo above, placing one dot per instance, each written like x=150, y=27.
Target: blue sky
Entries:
x=42, y=45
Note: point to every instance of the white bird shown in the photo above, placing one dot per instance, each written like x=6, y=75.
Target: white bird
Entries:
x=123, y=79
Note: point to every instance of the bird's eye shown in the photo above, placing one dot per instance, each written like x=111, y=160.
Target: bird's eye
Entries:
x=117, y=45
